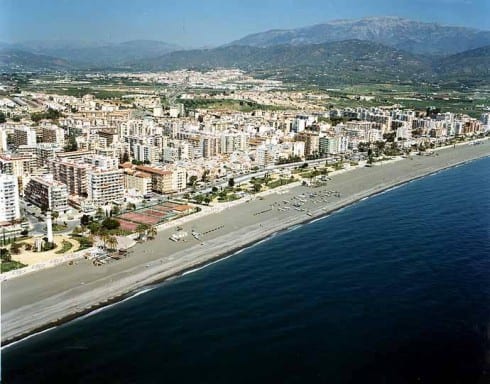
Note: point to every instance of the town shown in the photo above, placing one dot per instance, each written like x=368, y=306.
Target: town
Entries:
x=84, y=170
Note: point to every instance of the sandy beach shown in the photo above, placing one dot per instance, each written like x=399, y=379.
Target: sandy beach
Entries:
x=39, y=300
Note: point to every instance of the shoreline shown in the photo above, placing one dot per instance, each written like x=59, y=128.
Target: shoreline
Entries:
x=157, y=276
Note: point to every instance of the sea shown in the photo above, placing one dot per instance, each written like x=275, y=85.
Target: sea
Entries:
x=393, y=289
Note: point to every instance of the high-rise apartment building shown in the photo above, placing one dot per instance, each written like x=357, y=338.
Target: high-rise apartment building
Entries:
x=9, y=199
x=105, y=187
x=47, y=193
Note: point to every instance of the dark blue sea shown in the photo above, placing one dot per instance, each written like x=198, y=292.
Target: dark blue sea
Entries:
x=395, y=289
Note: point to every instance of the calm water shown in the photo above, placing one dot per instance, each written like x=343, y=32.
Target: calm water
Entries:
x=394, y=289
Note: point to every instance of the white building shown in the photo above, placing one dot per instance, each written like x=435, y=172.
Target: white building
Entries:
x=145, y=152
x=105, y=186
x=47, y=193
x=103, y=162
x=9, y=199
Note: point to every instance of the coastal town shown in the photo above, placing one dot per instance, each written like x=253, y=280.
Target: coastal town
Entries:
x=86, y=175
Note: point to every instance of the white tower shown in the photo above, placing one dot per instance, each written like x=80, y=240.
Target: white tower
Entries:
x=49, y=227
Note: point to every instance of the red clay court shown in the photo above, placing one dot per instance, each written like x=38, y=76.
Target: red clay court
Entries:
x=140, y=218
x=127, y=225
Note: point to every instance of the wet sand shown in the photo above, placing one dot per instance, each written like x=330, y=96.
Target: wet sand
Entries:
x=39, y=300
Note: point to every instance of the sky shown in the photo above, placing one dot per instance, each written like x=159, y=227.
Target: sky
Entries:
x=205, y=23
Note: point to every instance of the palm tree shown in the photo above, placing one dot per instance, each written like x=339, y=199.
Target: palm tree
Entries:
x=141, y=229
x=55, y=215
x=111, y=242
x=152, y=232
x=103, y=237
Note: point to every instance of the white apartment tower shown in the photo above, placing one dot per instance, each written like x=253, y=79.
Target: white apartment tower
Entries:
x=105, y=187
x=9, y=199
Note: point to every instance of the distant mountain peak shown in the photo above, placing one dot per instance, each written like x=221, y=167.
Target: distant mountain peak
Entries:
x=393, y=31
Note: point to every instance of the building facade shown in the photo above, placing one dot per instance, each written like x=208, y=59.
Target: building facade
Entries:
x=9, y=199
x=47, y=193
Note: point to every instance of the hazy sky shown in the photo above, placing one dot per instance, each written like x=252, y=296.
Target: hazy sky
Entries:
x=193, y=23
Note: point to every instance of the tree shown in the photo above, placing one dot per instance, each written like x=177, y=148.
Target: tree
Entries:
x=370, y=156
x=55, y=215
x=192, y=180
x=110, y=223
x=115, y=210
x=77, y=230
x=267, y=178
x=2, y=118
x=380, y=146
x=103, y=237
x=130, y=206
x=5, y=255
x=94, y=227
x=204, y=177
x=257, y=187
x=141, y=229
x=111, y=242
x=152, y=232
x=15, y=248
x=231, y=182
x=99, y=213
x=85, y=220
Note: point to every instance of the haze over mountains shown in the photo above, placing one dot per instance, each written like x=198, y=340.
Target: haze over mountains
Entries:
x=371, y=48
x=94, y=54
x=396, y=32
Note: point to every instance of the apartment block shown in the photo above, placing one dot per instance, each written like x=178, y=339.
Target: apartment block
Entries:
x=166, y=180
x=53, y=134
x=24, y=136
x=138, y=181
x=312, y=142
x=102, y=162
x=145, y=152
x=47, y=193
x=9, y=199
x=105, y=187
x=71, y=173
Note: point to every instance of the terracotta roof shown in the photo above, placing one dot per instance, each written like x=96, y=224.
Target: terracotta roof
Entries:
x=151, y=170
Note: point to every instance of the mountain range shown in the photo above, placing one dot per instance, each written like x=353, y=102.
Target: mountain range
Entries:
x=370, y=49
x=94, y=54
x=339, y=62
x=396, y=32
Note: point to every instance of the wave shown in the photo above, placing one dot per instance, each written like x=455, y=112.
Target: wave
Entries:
x=98, y=310
x=28, y=337
x=318, y=219
x=208, y=264
x=294, y=227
